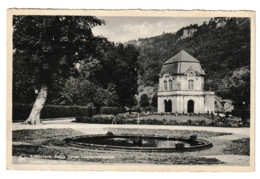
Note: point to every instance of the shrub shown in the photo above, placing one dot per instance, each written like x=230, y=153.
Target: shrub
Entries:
x=166, y=121
x=196, y=124
x=134, y=121
x=184, y=123
x=119, y=121
x=110, y=133
x=136, y=109
x=79, y=119
x=220, y=124
x=148, y=121
x=142, y=121
x=159, y=122
x=84, y=119
x=234, y=125
x=103, y=118
x=126, y=116
x=240, y=124
x=173, y=122
x=21, y=112
x=220, y=119
x=179, y=146
x=234, y=119
x=193, y=137
x=202, y=123
x=137, y=141
x=212, y=123
x=143, y=114
x=155, y=121
x=50, y=111
x=111, y=110
x=144, y=101
x=229, y=124
x=247, y=123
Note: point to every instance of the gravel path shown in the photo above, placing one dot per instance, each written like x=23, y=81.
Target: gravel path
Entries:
x=100, y=128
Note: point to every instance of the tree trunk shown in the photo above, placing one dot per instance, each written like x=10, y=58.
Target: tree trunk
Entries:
x=34, y=117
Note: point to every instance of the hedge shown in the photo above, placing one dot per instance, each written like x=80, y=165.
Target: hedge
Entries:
x=111, y=110
x=21, y=111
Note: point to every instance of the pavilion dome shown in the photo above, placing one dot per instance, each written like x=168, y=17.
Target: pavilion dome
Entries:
x=180, y=63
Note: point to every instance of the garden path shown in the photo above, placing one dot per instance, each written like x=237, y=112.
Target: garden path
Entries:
x=100, y=128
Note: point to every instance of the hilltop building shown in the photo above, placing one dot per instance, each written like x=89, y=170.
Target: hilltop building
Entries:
x=181, y=86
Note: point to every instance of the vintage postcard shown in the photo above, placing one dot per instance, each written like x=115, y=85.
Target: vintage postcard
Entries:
x=132, y=90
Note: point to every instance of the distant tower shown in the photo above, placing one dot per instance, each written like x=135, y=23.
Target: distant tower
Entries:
x=181, y=86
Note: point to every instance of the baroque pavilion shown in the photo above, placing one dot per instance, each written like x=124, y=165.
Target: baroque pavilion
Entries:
x=181, y=86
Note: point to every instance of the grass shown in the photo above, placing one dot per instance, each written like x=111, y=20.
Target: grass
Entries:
x=49, y=143
x=238, y=147
x=27, y=135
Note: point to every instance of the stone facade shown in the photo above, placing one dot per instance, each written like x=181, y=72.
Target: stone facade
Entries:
x=181, y=86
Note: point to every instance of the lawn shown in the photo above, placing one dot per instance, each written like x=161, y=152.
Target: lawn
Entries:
x=239, y=147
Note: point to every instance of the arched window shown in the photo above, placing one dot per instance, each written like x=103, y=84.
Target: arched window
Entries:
x=170, y=84
x=190, y=84
x=165, y=85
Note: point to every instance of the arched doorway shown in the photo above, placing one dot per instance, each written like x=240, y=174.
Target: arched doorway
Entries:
x=190, y=106
x=168, y=106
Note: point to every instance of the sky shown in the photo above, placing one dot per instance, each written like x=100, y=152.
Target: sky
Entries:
x=123, y=29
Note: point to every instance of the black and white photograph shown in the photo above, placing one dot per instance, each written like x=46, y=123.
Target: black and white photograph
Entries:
x=131, y=90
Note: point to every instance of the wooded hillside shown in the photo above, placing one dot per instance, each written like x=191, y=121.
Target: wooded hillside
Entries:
x=222, y=45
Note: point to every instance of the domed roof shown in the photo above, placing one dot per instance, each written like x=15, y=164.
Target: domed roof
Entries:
x=180, y=63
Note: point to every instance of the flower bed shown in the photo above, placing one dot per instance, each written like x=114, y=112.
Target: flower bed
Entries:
x=142, y=118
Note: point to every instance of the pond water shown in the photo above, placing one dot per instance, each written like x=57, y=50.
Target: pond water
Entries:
x=136, y=141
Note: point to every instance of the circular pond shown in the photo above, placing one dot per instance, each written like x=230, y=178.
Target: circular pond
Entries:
x=139, y=143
